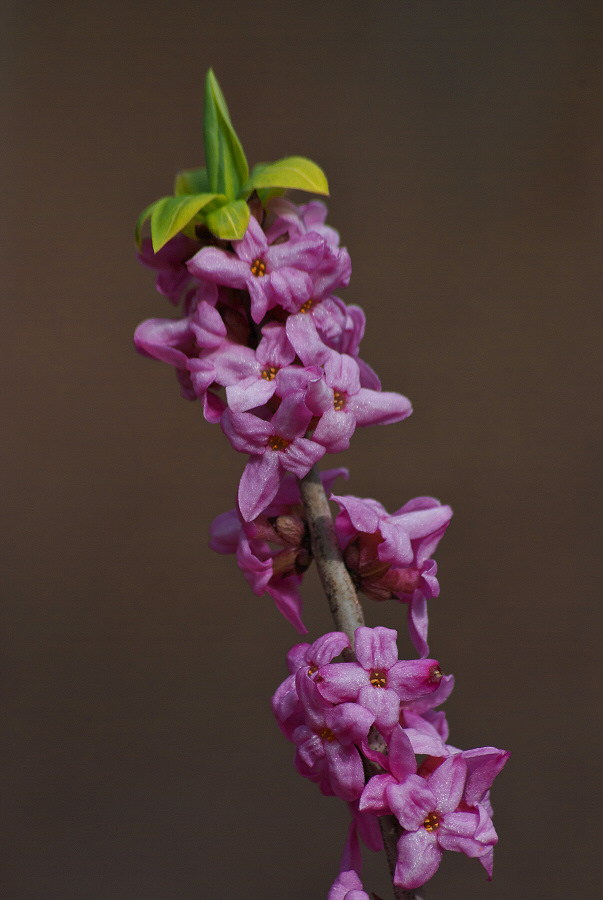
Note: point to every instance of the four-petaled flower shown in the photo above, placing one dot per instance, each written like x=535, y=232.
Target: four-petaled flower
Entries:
x=379, y=681
x=276, y=275
x=275, y=447
x=434, y=819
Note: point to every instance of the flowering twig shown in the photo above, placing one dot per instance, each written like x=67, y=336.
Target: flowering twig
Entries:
x=347, y=616
x=272, y=354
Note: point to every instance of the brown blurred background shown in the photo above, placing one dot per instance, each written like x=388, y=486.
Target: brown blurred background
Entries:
x=463, y=142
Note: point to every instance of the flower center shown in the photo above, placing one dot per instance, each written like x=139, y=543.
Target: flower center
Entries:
x=278, y=443
x=269, y=373
x=338, y=400
x=435, y=675
x=313, y=674
x=326, y=734
x=378, y=678
x=307, y=306
x=432, y=822
x=258, y=268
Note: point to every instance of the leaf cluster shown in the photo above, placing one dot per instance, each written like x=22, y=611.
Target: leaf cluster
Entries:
x=216, y=195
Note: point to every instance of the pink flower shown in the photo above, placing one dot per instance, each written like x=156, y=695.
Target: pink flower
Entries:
x=326, y=751
x=347, y=885
x=432, y=807
x=276, y=275
x=275, y=447
x=335, y=268
x=274, y=353
x=171, y=341
x=340, y=403
x=291, y=219
x=378, y=681
x=286, y=705
x=388, y=555
x=273, y=551
x=434, y=820
x=483, y=765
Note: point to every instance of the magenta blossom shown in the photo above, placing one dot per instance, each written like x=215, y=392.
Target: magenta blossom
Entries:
x=291, y=219
x=434, y=820
x=273, y=551
x=340, y=402
x=432, y=809
x=273, y=354
x=286, y=704
x=379, y=681
x=388, y=556
x=326, y=744
x=276, y=275
x=171, y=341
x=347, y=885
x=275, y=447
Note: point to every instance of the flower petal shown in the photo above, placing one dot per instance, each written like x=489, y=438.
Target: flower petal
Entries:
x=220, y=267
x=300, y=456
x=418, y=859
x=376, y=648
x=258, y=485
x=448, y=783
x=341, y=682
x=247, y=433
x=410, y=801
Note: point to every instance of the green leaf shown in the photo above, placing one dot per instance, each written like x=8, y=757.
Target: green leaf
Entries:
x=141, y=220
x=227, y=167
x=191, y=181
x=229, y=221
x=290, y=172
x=171, y=214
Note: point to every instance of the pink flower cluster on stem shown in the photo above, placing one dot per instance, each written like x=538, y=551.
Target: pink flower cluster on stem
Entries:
x=272, y=353
x=267, y=346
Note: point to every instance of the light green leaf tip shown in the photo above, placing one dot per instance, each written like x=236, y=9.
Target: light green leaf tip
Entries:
x=171, y=214
x=290, y=172
x=225, y=159
x=229, y=221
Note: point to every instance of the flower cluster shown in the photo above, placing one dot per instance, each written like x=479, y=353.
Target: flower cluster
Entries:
x=265, y=344
x=384, y=709
x=387, y=556
x=273, y=355
x=273, y=550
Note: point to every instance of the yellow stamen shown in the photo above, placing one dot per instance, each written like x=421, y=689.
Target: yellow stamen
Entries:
x=258, y=268
x=432, y=822
x=307, y=306
x=338, y=400
x=435, y=675
x=326, y=734
x=278, y=443
x=378, y=678
x=269, y=373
